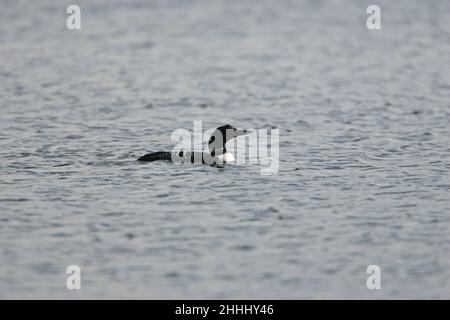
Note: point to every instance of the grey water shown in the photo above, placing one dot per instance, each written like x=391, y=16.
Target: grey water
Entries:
x=363, y=178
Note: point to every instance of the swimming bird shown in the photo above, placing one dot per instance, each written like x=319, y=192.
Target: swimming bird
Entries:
x=217, y=155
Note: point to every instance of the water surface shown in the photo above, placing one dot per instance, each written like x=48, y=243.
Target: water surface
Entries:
x=364, y=145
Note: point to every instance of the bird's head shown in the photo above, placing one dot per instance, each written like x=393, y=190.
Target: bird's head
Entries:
x=221, y=136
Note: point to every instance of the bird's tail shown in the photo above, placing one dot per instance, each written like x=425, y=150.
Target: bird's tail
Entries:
x=155, y=156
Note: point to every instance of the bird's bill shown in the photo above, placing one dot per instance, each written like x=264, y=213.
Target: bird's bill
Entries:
x=241, y=132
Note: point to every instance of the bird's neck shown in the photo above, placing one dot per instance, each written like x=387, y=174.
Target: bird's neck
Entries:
x=218, y=151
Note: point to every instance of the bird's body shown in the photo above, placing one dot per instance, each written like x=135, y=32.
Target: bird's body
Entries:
x=218, y=153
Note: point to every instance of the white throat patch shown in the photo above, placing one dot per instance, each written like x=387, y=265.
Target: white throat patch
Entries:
x=226, y=157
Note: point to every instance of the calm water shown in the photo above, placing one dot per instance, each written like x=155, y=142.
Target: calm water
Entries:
x=364, y=144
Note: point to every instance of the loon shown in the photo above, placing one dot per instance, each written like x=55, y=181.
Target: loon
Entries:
x=217, y=155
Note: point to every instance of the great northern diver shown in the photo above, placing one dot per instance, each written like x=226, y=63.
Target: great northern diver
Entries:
x=217, y=155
